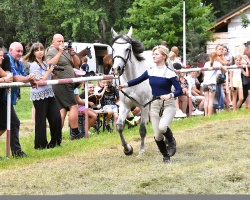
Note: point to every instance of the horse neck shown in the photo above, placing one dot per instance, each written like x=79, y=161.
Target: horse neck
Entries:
x=82, y=53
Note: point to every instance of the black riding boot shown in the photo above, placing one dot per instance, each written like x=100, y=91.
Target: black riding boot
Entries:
x=170, y=141
x=163, y=149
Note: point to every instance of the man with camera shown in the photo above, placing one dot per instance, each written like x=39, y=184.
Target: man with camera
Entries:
x=109, y=97
x=58, y=54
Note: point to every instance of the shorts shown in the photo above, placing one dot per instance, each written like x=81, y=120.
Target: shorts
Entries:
x=114, y=108
x=209, y=88
x=237, y=84
x=80, y=109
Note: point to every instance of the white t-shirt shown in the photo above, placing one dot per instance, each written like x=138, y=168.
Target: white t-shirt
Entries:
x=210, y=76
x=236, y=74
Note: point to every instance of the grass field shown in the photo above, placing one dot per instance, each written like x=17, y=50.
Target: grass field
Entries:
x=212, y=158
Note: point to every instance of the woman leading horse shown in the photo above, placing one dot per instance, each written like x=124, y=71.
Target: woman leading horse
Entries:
x=161, y=79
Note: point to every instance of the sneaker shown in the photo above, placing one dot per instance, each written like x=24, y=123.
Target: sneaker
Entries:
x=19, y=154
x=90, y=133
x=107, y=126
x=137, y=119
x=180, y=114
x=74, y=136
x=197, y=112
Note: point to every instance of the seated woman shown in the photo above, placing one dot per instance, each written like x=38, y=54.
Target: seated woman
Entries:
x=92, y=116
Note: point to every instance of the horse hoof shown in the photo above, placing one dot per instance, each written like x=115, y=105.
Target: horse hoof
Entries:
x=128, y=151
x=141, y=152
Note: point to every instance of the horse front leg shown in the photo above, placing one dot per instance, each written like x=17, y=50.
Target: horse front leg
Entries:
x=123, y=112
x=143, y=130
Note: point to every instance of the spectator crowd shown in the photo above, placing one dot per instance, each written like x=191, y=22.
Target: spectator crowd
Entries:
x=210, y=91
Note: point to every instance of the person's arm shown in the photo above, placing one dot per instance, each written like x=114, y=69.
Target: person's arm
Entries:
x=135, y=81
x=102, y=91
x=48, y=72
x=4, y=78
x=2, y=72
x=79, y=101
x=222, y=60
x=56, y=58
x=25, y=79
x=245, y=73
x=178, y=90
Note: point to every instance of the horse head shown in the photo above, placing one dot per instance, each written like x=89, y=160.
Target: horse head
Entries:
x=88, y=52
x=124, y=47
x=85, y=52
x=121, y=51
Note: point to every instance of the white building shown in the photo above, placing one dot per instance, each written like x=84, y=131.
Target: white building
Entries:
x=230, y=32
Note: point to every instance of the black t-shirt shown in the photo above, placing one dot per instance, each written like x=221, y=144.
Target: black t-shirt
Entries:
x=5, y=67
x=109, y=98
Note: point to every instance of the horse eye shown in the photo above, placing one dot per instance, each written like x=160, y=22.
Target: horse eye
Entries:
x=127, y=49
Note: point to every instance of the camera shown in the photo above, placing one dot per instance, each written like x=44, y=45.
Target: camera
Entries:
x=57, y=68
x=69, y=45
x=110, y=86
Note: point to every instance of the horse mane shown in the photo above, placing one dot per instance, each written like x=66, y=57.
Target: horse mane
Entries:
x=137, y=46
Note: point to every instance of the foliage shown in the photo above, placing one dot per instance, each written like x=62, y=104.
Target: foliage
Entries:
x=91, y=20
x=38, y=20
x=244, y=20
x=163, y=20
x=223, y=7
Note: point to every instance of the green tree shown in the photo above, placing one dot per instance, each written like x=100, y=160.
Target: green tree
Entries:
x=223, y=7
x=163, y=20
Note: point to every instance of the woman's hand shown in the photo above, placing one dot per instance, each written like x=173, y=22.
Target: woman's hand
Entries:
x=51, y=68
x=8, y=79
x=165, y=97
x=120, y=87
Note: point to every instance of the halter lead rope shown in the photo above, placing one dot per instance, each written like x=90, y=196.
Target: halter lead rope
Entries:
x=125, y=94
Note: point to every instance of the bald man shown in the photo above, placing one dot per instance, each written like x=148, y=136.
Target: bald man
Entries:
x=57, y=55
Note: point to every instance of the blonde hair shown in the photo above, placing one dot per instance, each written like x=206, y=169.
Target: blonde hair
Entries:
x=238, y=56
x=162, y=49
x=172, y=54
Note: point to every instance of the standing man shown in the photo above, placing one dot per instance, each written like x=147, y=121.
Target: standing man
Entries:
x=57, y=54
x=14, y=65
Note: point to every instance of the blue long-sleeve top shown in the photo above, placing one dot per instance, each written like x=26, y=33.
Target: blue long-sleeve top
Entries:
x=161, y=81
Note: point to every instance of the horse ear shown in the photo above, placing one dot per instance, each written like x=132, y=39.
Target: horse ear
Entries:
x=114, y=34
x=130, y=32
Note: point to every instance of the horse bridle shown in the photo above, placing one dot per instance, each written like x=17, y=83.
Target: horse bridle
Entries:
x=125, y=61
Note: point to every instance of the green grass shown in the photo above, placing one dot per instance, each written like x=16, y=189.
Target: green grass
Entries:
x=24, y=105
x=212, y=158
